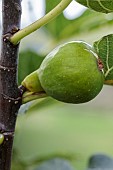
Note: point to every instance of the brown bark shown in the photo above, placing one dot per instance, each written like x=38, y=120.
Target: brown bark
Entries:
x=10, y=96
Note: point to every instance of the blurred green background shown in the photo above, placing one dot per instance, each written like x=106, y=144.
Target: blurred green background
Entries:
x=54, y=129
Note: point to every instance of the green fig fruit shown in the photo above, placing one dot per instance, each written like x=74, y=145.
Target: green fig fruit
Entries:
x=71, y=74
x=104, y=6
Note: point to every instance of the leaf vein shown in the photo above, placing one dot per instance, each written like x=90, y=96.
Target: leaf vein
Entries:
x=103, y=6
x=87, y=1
x=107, y=72
x=107, y=55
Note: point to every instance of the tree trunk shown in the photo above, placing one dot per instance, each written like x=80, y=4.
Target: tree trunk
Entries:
x=10, y=96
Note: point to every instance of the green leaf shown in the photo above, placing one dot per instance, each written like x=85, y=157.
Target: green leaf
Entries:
x=55, y=164
x=104, y=6
x=25, y=107
x=51, y=4
x=104, y=49
x=29, y=61
x=37, y=105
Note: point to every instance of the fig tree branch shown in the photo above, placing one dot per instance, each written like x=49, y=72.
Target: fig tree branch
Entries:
x=10, y=96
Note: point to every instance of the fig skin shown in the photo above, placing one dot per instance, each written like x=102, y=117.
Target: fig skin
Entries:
x=70, y=73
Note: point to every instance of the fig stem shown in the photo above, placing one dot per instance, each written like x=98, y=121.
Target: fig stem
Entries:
x=15, y=38
x=29, y=96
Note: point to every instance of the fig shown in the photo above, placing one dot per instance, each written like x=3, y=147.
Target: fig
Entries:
x=71, y=73
x=104, y=6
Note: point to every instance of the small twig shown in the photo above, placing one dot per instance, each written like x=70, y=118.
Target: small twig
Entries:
x=39, y=23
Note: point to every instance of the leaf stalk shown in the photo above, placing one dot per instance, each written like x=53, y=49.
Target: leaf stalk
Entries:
x=15, y=39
